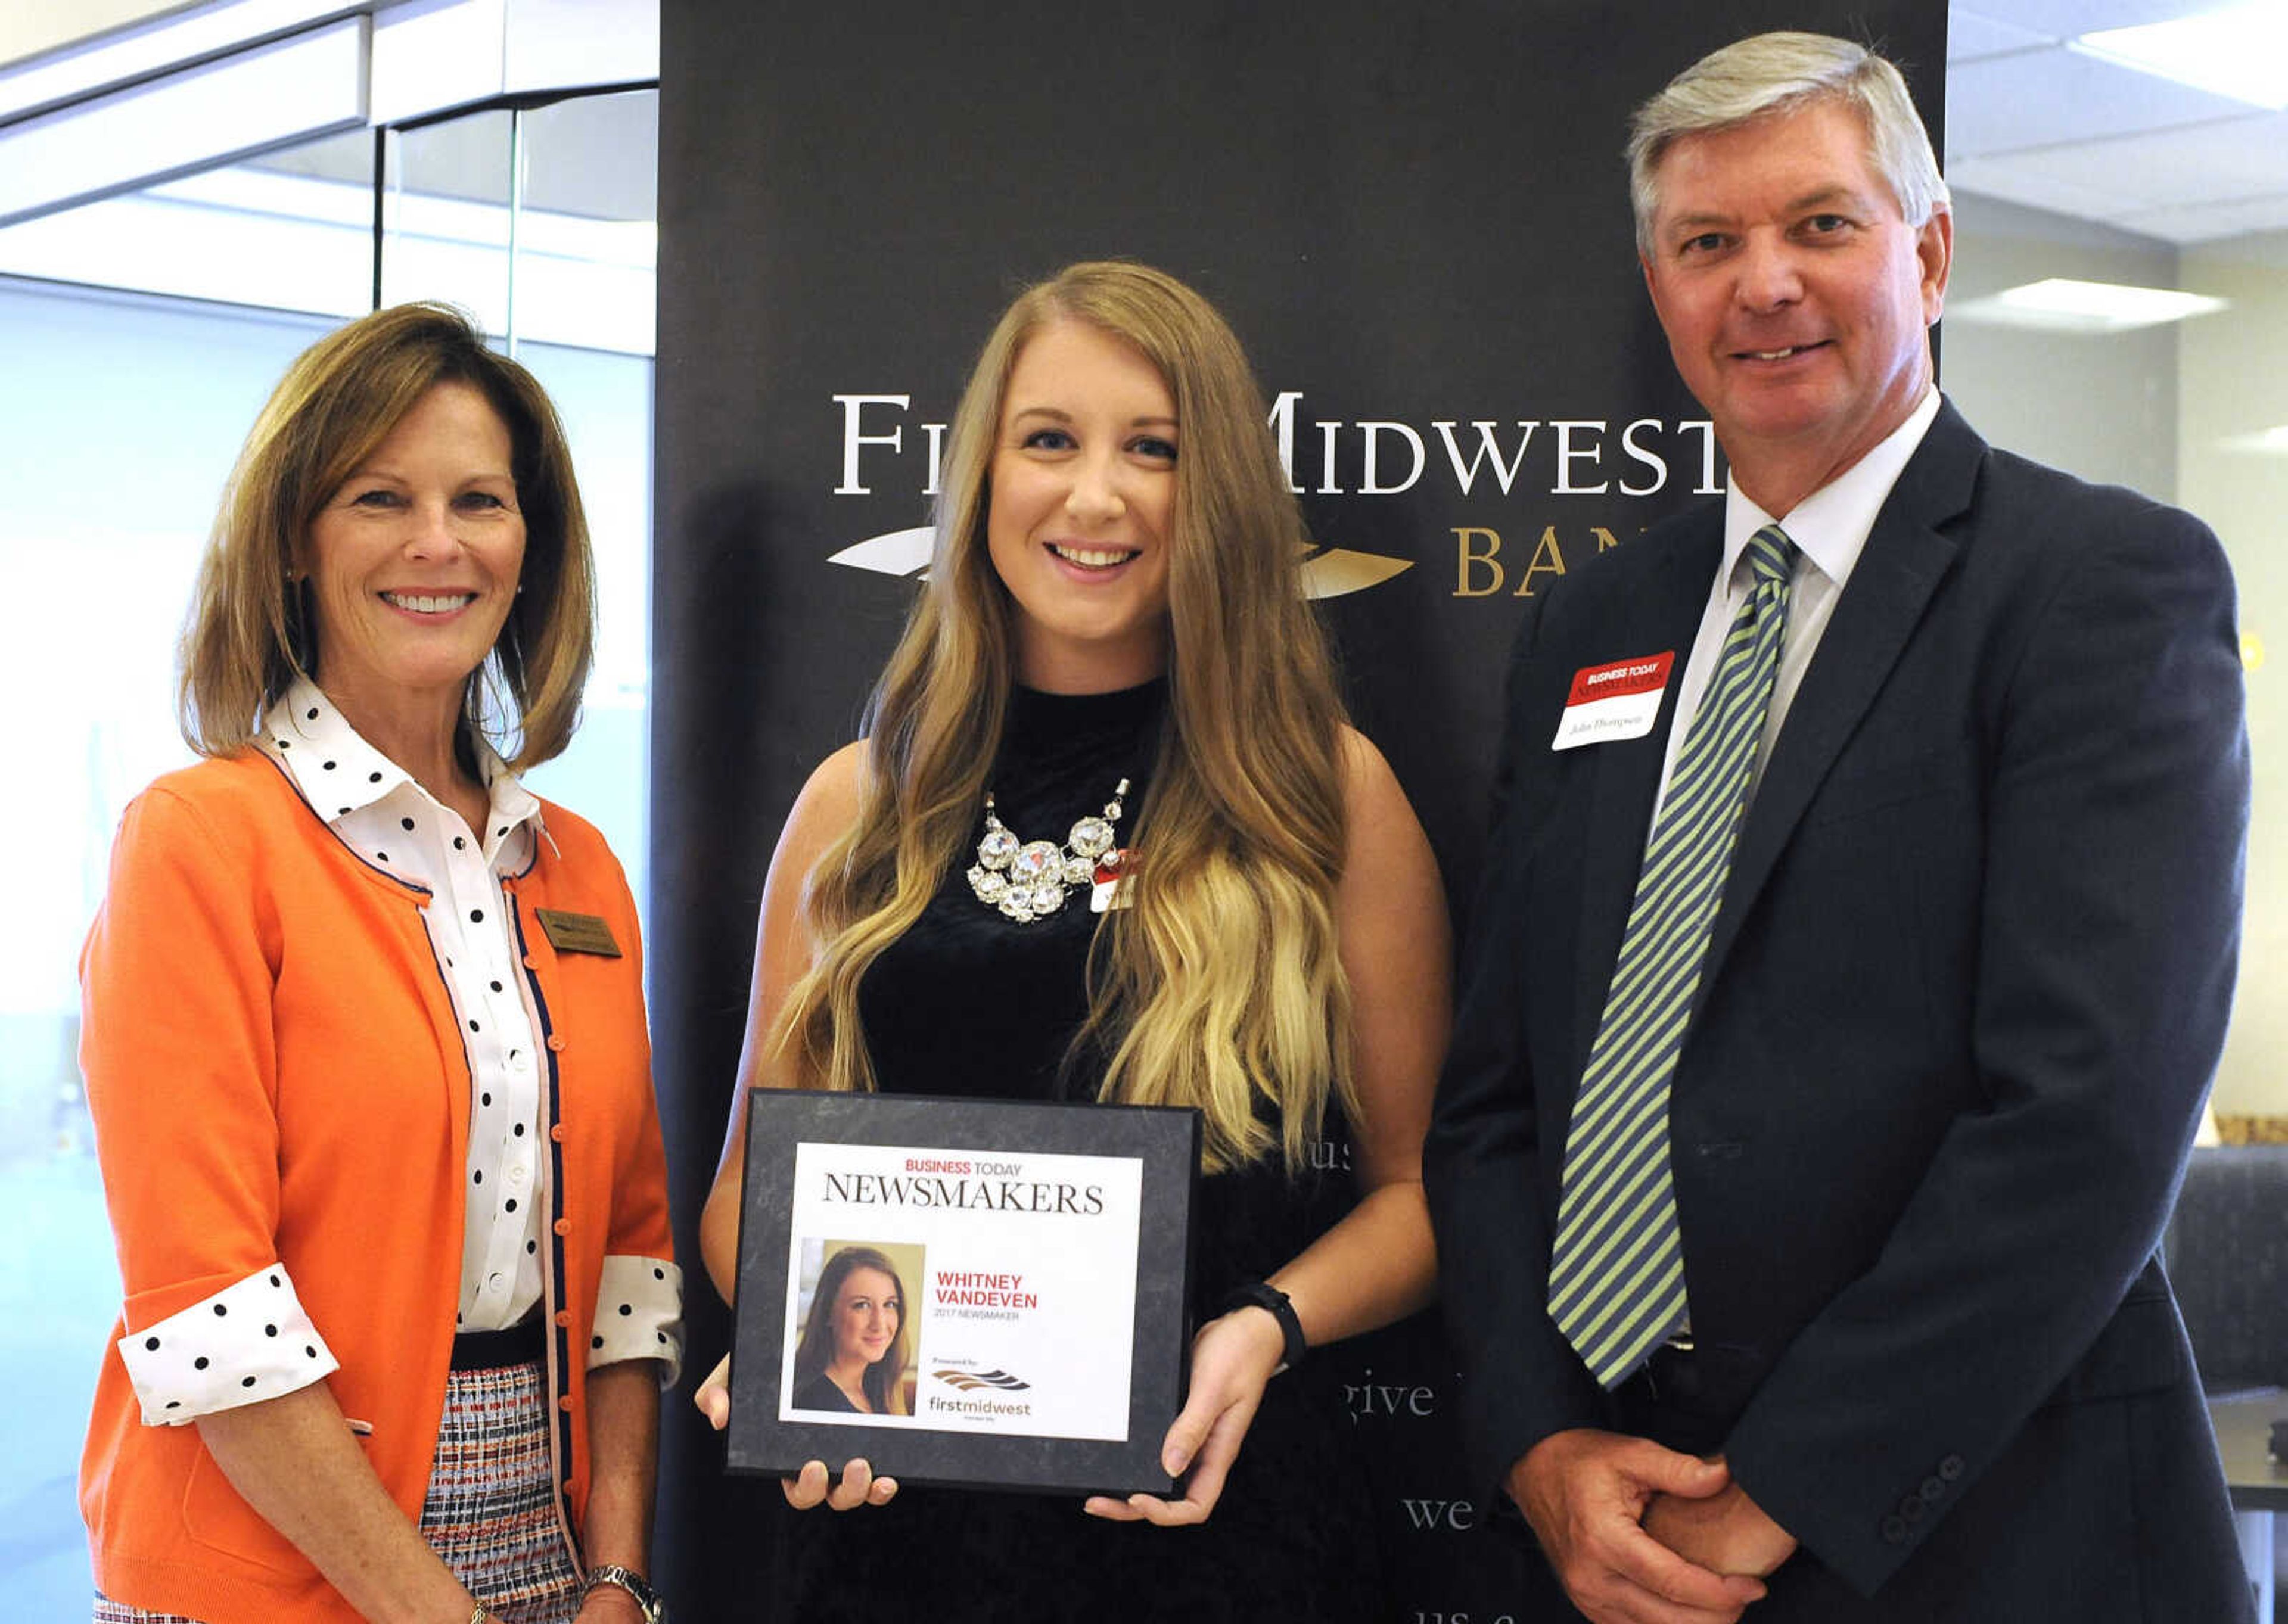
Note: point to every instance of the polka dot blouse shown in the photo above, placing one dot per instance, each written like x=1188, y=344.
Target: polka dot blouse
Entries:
x=251, y=1340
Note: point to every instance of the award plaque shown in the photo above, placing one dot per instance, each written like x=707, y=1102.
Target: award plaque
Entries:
x=982, y=1293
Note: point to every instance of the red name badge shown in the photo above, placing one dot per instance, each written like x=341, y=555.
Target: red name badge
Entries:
x=1115, y=887
x=1619, y=699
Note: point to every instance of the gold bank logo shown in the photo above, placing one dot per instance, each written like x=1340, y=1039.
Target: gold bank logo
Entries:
x=1328, y=572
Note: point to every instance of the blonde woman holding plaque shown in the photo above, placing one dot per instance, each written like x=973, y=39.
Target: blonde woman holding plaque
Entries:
x=1113, y=655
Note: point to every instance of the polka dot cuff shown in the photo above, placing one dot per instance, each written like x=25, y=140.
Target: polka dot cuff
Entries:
x=246, y=1343
x=638, y=1314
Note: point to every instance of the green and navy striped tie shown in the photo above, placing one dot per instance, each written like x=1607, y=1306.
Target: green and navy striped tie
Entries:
x=1616, y=1271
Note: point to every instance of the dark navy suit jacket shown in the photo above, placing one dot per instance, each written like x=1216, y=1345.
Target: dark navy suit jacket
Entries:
x=1966, y=990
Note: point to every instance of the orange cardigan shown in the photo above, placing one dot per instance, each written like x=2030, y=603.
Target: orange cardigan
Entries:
x=276, y=1074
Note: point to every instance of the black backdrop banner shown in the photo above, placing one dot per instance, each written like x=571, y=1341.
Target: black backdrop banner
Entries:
x=1417, y=220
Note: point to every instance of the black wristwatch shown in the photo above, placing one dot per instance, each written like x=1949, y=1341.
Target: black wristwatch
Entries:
x=1264, y=1296
x=655, y=1610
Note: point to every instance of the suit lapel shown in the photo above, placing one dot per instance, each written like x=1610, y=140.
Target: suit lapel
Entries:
x=1665, y=614
x=1905, y=558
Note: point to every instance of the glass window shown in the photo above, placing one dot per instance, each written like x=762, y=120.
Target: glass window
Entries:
x=292, y=231
x=585, y=250
x=446, y=218
x=121, y=418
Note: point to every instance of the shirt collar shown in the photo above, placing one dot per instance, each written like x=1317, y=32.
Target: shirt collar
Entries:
x=1831, y=526
x=339, y=774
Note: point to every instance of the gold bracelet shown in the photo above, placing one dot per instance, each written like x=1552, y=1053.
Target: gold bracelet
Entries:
x=479, y=1615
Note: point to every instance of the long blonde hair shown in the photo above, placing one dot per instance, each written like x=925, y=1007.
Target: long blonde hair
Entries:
x=1220, y=988
x=252, y=628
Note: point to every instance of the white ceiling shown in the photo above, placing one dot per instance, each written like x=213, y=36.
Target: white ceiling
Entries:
x=2032, y=123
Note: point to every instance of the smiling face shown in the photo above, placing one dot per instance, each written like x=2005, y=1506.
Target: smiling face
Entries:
x=414, y=560
x=1796, y=298
x=1082, y=486
x=867, y=1312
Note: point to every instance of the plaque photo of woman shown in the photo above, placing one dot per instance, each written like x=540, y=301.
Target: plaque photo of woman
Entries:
x=854, y=1354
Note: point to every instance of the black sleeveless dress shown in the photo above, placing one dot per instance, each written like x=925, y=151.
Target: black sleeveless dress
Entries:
x=971, y=1003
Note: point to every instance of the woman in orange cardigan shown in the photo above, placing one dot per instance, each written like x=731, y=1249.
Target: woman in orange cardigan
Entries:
x=364, y=1042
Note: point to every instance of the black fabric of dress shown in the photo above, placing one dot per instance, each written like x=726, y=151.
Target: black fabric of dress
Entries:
x=971, y=1003
x=819, y=1393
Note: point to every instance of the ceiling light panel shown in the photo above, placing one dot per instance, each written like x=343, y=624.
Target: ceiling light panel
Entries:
x=2060, y=304
x=2241, y=52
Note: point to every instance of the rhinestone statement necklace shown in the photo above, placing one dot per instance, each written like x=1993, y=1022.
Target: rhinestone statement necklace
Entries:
x=1027, y=880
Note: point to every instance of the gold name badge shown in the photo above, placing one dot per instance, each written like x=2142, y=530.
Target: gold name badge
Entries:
x=578, y=932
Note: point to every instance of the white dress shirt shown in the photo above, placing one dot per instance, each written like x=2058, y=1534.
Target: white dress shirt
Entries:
x=1830, y=529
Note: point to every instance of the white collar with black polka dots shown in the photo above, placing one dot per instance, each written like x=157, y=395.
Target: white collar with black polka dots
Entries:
x=341, y=775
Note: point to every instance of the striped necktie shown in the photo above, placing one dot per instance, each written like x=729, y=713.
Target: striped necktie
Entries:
x=1616, y=1270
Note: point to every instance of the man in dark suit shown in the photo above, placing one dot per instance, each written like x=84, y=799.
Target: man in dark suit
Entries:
x=1851, y=957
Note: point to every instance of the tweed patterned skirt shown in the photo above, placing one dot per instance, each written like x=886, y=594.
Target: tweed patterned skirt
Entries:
x=489, y=1511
